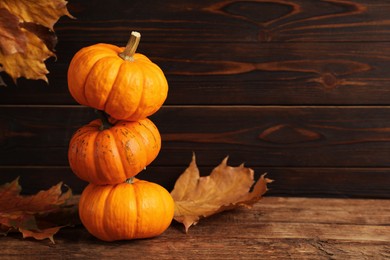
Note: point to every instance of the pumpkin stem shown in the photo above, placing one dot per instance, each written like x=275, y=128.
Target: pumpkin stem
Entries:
x=130, y=180
x=131, y=46
x=103, y=117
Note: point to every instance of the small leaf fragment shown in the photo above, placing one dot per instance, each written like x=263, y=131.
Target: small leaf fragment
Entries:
x=47, y=233
x=224, y=189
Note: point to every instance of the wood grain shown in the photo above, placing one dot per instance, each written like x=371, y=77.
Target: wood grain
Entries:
x=232, y=20
x=260, y=136
x=297, y=88
x=309, y=151
x=288, y=181
x=254, y=52
x=276, y=228
x=229, y=74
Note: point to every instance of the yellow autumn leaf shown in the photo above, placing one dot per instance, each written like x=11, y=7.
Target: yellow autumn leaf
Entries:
x=27, y=36
x=225, y=188
x=43, y=12
x=12, y=38
x=29, y=64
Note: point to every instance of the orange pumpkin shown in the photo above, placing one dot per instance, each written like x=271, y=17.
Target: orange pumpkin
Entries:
x=109, y=155
x=124, y=84
x=126, y=211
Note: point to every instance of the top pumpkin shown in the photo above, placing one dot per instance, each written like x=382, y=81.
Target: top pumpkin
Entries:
x=125, y=84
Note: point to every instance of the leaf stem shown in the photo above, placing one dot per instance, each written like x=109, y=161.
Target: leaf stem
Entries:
x=131, y=46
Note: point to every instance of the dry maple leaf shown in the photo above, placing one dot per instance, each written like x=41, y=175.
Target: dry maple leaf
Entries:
x=27, y=214
x=44, y=12
x=225, y=188
x=28, y=64
x=24, y=42
x=12, y=38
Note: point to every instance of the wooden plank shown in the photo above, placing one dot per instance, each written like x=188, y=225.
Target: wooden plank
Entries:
x=277, y=136
x=309, y=151
x=230, y=21
x=251, y=74
x=328, y=182
x=259, y=136
x=242, y=234
x=79, y=245
x=302, y=182
x=320, y=211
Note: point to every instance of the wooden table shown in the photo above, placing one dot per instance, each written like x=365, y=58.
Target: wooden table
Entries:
x=276, y=228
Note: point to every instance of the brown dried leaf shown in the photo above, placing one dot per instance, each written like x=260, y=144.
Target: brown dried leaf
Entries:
x=224, y=189
x=27, y=37
x=41, y=234
x=27, y=213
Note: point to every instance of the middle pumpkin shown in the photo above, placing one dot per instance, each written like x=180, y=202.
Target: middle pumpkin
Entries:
x=102, y=154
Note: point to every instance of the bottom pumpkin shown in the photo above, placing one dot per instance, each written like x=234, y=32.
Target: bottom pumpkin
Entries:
x=139, y=209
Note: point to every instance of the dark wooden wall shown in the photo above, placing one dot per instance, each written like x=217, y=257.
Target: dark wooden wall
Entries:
x=299, y=89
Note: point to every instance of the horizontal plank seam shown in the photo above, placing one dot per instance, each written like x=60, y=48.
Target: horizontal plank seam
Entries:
x=309, y=222
x=231, y=42
x=210, y=106
x=206, y=166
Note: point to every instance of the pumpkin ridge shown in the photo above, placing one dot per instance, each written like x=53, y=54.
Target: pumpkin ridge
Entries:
x=73, y=151
x=123, y=158
x=137, y=224
x=152, y=107
x=167, y=206
x=162, y=81
x=107, y=200
x=147, y=124
x=90, y=85
x=158, y=194
x=96, y=174
x=112, y=88
x=109, y=47
x=100, y=46
x=139, y=57
x=109, y=170
x=134, y=149
x=118, y=87
x=83, y=160
x=88, y=205
x=118, y=151
x=92, y=201
x=85, y=83
x=85, y=52
x=140, y=141
x=141, y=98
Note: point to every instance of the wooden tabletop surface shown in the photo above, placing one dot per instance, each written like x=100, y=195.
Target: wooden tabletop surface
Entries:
x=276, y=228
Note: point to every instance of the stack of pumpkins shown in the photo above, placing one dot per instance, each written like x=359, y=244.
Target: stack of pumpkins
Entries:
x=125, y=87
